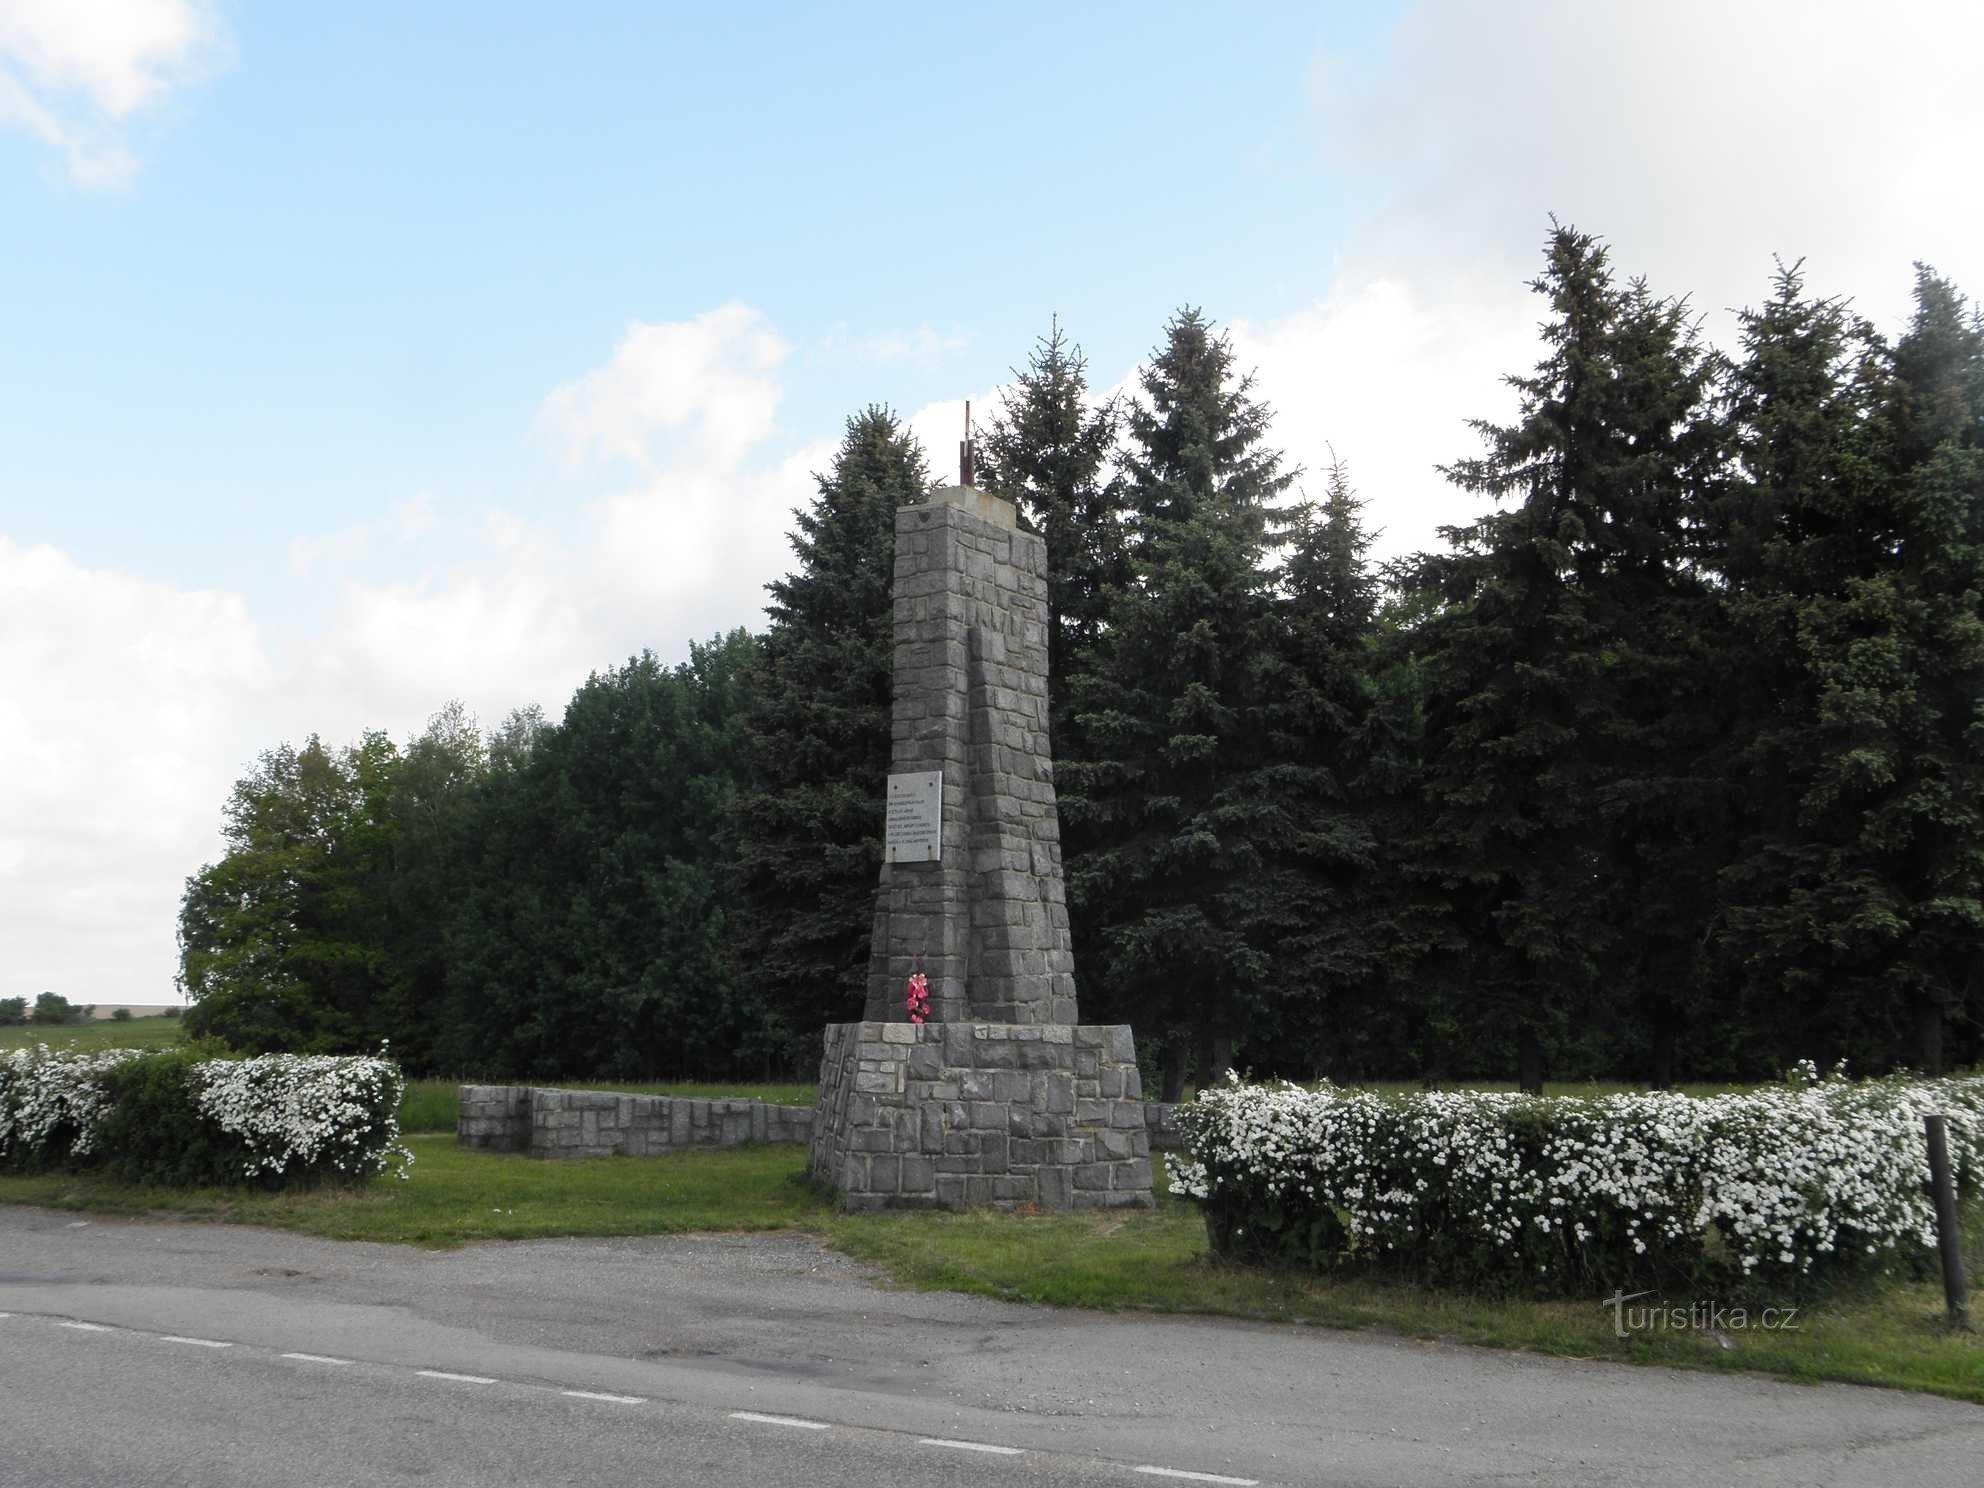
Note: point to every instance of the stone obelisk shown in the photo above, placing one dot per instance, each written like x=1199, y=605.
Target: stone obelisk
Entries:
x=1003, y=1096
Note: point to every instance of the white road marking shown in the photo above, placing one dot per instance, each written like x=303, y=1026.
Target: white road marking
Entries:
x=965, y=1446
x=316, y=1358
x=610, y=1399
x=197, y=1342
x=781, y=1421
x=467, y=1379
x=85, y=1327
x=1178, y=1472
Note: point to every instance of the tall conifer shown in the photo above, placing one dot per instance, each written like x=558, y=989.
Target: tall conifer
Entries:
x=811, y=846
x=1551, y=718
x=1169, y=781
x=1050, y=451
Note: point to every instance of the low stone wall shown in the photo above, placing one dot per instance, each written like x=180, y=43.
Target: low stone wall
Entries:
x=1161, y=1120
x=955, y=1114
x=495, y=1118
x=506, y=1118
x=601, y=1123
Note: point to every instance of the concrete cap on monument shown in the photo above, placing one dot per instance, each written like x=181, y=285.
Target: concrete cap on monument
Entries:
x=981, y=504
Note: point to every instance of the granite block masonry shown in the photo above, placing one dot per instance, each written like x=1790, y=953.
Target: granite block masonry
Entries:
x=988, y=907
x=946, y=1115
x=1002, y=1097
x=604, y=1123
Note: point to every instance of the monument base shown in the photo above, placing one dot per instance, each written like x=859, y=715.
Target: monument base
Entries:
x=946, y=1115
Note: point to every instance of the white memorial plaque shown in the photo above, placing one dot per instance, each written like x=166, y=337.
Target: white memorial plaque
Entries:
x=914, y=830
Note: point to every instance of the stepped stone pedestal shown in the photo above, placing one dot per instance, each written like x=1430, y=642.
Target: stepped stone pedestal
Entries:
x=1003, y=1097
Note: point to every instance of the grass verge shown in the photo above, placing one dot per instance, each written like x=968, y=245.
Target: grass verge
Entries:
x=1890, y=1336
x=1153, y=1261
x=455, y=1195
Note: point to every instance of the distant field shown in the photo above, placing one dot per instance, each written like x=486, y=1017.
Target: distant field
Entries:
x=132, y=1033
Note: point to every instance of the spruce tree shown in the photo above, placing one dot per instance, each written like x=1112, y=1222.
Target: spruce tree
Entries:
x=1322, y=906
x=1933, y=816
x=1552, y=668
x=1807, y=515
x=1859, y=900
x=1170, y=783
x=1050, y=452
x=810, y=845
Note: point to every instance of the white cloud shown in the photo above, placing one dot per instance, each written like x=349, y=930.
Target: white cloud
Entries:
x=73, y=72
x=1383, y=376
x=521, y=610
x=126, y=710
x=402, y=524
x=713, y=377
x=939, y=427
x=1698, y=138
x=924, y=347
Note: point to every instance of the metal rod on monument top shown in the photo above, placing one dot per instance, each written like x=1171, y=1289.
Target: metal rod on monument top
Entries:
x=964, y=448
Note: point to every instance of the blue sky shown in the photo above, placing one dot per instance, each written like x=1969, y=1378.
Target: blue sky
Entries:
x=354, y=358
x=351, y=262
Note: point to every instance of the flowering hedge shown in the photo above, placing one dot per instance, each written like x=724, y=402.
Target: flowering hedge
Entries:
x=1771, y=1189
x=174, y=1117
x=51, y=1103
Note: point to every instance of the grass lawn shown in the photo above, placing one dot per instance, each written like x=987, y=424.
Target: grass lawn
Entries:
x=455, y=1195
x=1153, y=1261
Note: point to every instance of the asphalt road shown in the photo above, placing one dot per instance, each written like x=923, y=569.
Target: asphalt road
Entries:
x=216, y=1356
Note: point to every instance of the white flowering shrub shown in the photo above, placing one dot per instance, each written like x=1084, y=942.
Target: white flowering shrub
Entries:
x=1776, y=1188
x=307, y=1114
x=51, y=1103
x=174, y=1117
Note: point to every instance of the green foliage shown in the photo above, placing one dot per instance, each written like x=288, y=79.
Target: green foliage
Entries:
x=1326, y=909
x=1172, y=783
x=1051, y=454
x=1670, y=763
x=284, y=941
x=185, y=1117
x=1777, y=1192
x=591, y=934
x=810, y=846
x=1563, y=706
x=51, y=1009
x=1854, y=904
x=120, y=1015
x=153, y=1131
x=13, y=1011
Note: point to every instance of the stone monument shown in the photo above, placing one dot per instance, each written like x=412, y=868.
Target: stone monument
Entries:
x=1003, y=1096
